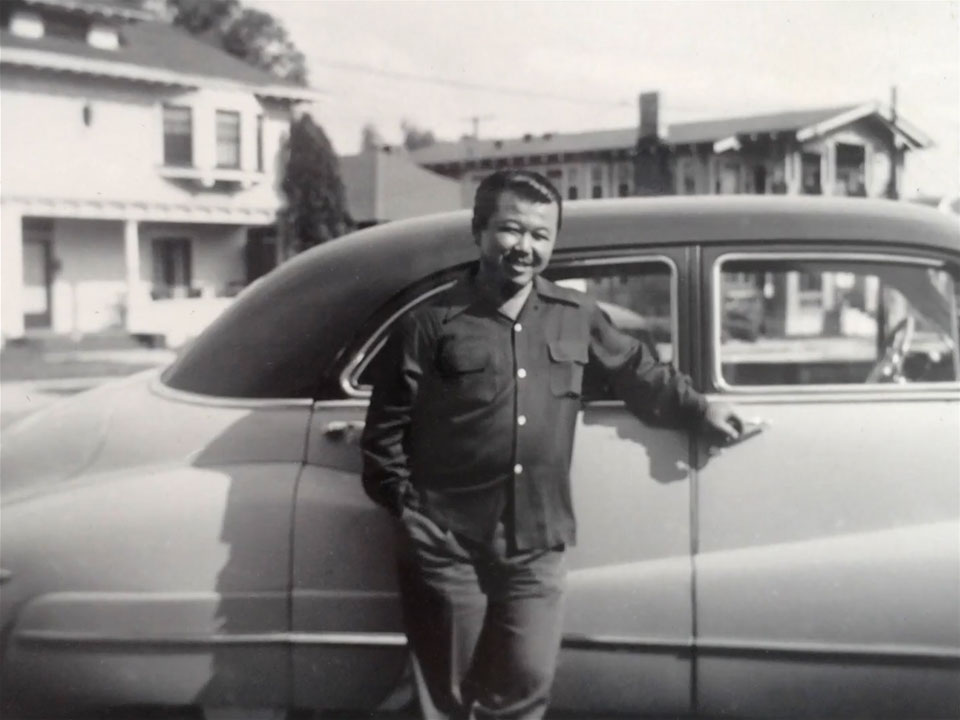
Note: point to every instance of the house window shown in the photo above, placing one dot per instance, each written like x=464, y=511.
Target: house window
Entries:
x=260, y=161
x=760, y=179
x=177, y=135
x=596, y=181
x=626, y=176
x=228, y=139
x=172, y=267
x=686, y=176
x=810, y=173
x=573, y=183
x=728, y=179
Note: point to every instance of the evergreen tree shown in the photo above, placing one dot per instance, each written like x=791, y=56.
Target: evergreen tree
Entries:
x=315, y=209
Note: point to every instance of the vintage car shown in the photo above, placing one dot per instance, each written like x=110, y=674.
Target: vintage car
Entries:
x=198, y=537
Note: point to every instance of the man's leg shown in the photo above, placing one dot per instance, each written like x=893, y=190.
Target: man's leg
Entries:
x=443, y=612
x=516, y=655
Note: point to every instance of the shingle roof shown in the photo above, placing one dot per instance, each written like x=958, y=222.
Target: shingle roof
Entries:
x=623, y=138
x=156, y=45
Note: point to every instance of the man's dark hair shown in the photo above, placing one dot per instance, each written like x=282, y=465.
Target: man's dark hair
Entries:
x=526, y=184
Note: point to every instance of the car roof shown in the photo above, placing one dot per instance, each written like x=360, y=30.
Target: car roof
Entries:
x=297, y=320
x=704, y=219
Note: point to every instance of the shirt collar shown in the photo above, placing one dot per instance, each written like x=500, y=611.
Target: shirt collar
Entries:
x=465, y=294
x=461, y=296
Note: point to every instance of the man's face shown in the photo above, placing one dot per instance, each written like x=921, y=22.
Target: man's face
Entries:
x=518, y=240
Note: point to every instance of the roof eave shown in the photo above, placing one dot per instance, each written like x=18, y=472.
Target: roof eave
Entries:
x=59, y=62
x=912, y=135
x=96, y=10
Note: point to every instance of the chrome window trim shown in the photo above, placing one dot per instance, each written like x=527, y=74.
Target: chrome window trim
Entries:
x=351, y=373
x=158, y=387
x=629, y=643
x=887, y=390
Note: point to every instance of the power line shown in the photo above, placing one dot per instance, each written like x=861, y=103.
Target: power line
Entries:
x=464, y=84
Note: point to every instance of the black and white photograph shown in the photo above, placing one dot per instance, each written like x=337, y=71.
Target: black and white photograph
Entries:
x=479, y=360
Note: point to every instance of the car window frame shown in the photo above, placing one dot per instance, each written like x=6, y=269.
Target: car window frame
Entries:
x=714, y=358
x=349, y=376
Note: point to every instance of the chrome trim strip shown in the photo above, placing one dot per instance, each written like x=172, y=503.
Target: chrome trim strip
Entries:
x=822, y=256
x=626, y=643
x=158, y=388
x=947, y=392
x=879, y=652
x=370, y=639
x=914, y=653
x=56, y=637
x=351, y=373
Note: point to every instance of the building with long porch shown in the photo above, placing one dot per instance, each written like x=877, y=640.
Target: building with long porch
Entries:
x=139, y=171
x=856, y=149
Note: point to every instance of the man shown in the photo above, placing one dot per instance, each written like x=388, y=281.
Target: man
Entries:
x=468, y=442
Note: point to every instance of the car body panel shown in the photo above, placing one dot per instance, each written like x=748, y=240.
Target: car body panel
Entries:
x=153, y=532
x=349, y=651
x=808, y=558
x=629, y=581
x=167, y=576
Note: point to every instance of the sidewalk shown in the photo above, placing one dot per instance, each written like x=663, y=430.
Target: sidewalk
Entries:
x=35, y=373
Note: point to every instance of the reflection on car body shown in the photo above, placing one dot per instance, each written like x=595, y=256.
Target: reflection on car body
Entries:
x=201, y=538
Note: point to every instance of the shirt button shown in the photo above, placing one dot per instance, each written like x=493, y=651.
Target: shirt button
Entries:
x=518, y=327
x=521, y=373
x=522, y=420
x=517, y=469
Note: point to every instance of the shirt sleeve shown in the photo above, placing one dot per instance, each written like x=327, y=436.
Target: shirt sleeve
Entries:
x=386, y=469
x=655, y=392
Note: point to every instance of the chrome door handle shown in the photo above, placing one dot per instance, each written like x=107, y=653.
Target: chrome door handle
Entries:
x=751, y=428
x=340, y=428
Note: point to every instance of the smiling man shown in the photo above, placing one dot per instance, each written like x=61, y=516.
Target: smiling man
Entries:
x=468, y=442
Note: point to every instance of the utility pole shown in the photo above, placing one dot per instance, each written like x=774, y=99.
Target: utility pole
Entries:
x=475, y=120
x=892, y=183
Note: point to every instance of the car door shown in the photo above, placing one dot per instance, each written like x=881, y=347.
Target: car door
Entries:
x=628, y=633
x=827, y=564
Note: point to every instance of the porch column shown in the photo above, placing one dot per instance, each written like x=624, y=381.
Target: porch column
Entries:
x=11, y=273
x=131, y=254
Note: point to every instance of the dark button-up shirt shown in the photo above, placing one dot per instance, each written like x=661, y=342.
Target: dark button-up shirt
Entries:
x=472, y=420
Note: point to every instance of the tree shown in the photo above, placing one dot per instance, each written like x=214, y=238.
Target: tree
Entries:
x=254, y=36
x=415, y=137
x=315, y=209
x=371, y=138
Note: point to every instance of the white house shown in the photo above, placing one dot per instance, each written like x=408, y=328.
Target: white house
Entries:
x=138, y=176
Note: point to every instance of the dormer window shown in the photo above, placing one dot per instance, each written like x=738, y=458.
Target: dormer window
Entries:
x=26, y=25
x=104, y=37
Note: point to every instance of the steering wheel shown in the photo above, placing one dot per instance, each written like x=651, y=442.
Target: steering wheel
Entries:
x=889, y=367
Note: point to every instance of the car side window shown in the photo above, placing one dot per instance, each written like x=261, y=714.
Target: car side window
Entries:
x=812, y=320
x=639, y=297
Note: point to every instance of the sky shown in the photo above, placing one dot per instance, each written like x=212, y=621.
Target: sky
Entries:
x=571, y=66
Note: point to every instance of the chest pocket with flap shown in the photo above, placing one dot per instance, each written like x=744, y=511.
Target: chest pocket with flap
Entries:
x=567, y=360
x=465, y=368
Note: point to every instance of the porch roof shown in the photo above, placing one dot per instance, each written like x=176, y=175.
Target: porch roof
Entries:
x=804, y=123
